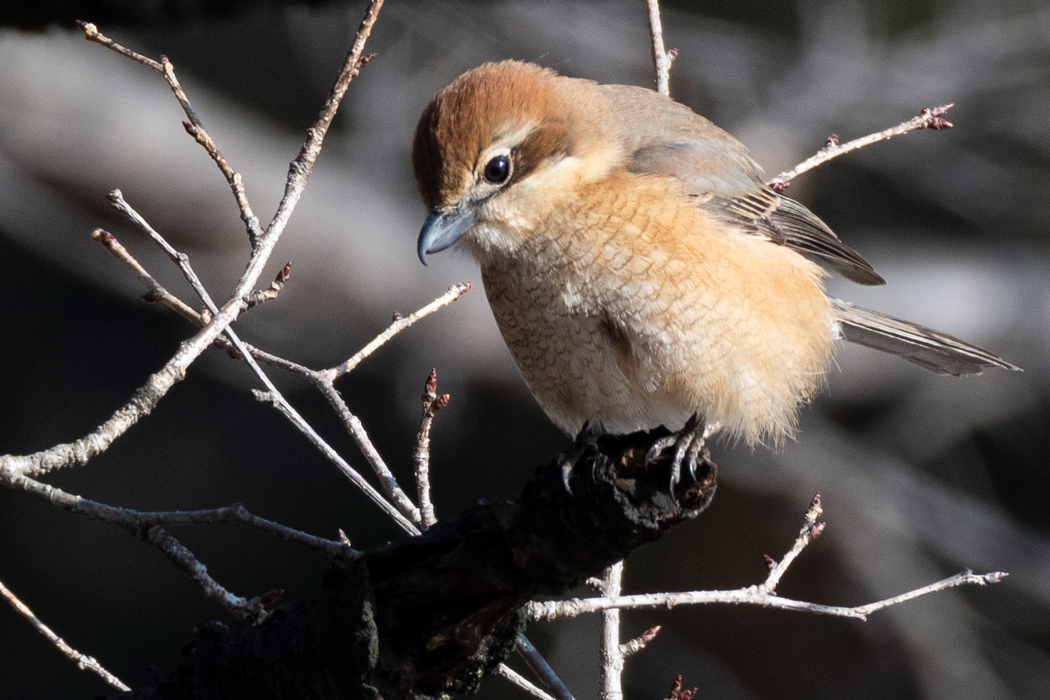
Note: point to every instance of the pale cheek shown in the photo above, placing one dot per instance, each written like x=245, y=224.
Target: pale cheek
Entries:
x=489, y=241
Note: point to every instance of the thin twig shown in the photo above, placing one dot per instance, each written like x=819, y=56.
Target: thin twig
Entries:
x=452, y=294
x=432, y=403
x=328, y=451
x=157, y=293
x=754, y=595
x=662, y=59
x=762, y=594
x=640, y=642
x=194, y=126
x=611, y=655
x=272, y=394
x=185, y=560
x=811, y=530
x=927, y=119
x=237, y=349
x=83, y=661
x=157, y=386
x=300, y=168
x=357, y=431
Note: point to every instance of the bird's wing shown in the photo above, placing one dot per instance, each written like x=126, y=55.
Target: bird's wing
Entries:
x=663, y=137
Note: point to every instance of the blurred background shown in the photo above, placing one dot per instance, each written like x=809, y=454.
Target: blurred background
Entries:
x=922, y=475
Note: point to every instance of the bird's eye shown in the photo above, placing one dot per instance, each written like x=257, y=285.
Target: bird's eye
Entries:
x=497, y=170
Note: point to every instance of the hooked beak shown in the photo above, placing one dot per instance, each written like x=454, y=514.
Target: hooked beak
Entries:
x=442, y=229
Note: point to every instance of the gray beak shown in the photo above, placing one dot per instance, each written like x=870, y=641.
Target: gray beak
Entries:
x=442, y=229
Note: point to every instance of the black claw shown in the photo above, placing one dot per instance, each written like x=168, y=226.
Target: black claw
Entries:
x=586, y=438
x=688, y=443
x=676, y=476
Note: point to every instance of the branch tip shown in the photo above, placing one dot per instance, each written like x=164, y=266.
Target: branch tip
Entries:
x=103, y=236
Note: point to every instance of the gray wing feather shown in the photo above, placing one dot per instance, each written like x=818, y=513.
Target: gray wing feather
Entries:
x=936, y=351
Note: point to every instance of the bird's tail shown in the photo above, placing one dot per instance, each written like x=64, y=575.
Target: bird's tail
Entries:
x=936, y=351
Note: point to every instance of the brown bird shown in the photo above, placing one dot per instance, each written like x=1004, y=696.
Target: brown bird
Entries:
x=638, y=267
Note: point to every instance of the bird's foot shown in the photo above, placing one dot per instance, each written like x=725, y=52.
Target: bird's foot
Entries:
x=585, y=440
x=688, y=444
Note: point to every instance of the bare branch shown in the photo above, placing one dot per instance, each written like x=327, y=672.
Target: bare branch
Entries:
x=137, y=522
x=194, y=126
x=662, y=59
x=185, y=560
x=239, y=349
x=522, y=682
x=328, y=451
x=432, y=403
x=401, y=323
x=762, y=594
x=82, y=661
x=811, y=530
x=640, y=642
x=754, y=595
x=357, y=431
x=927, y=119
x=12, y=467
x=300, y=168
x=611, y=655
x=157, y=293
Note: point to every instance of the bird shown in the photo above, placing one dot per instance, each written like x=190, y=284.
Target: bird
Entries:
x=640, y=270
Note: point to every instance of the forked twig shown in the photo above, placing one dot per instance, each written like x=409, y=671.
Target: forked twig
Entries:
x=193, y=127
x=811, y=530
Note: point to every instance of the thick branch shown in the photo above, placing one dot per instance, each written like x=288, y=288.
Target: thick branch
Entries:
x=434, y=614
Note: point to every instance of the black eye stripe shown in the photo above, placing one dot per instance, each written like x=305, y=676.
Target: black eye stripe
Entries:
x=497, y=170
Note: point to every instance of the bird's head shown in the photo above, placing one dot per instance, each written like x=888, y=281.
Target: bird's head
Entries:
x=500, y=147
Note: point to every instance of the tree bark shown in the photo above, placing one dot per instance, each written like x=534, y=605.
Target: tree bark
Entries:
x=435, y=614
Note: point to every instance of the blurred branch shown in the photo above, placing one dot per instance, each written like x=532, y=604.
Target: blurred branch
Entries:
x=930, y=118
x=82, y=661
x=662, y=58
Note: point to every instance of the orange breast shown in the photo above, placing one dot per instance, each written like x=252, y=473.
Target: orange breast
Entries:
x=630, y=306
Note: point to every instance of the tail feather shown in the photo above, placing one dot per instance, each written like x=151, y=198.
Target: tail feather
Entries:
x=936, y=351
